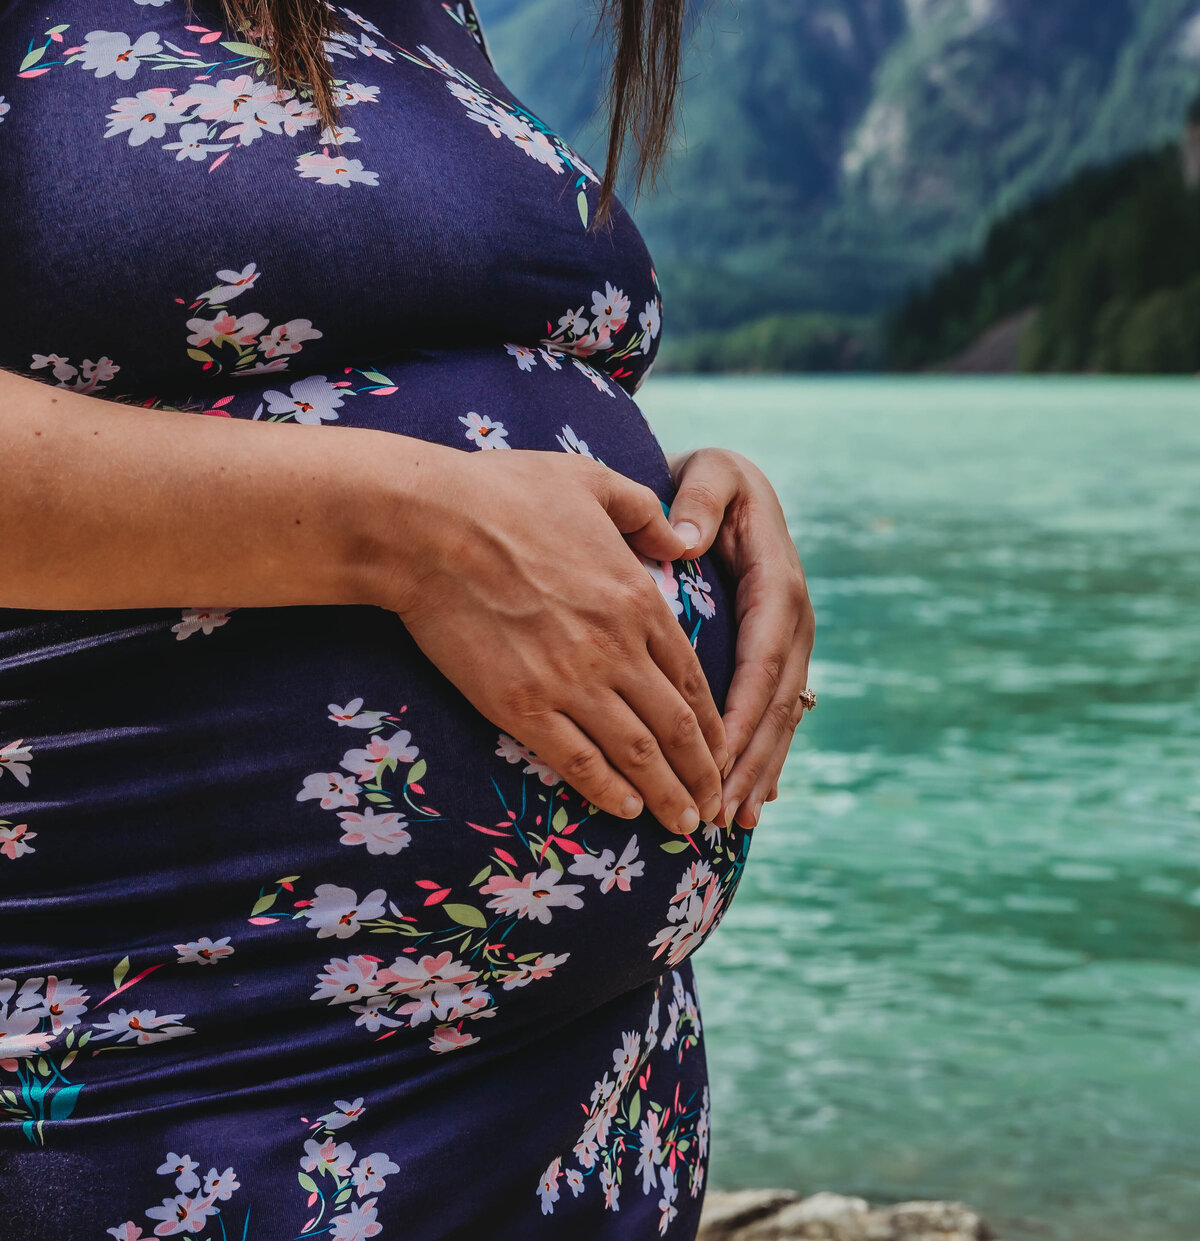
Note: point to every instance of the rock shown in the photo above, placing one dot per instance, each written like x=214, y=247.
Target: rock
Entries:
x=776, y=1215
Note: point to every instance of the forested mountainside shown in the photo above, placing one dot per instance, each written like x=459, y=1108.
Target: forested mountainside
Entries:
x=836, y=152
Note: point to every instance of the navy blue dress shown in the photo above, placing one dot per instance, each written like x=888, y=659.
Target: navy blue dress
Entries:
x=293, y=942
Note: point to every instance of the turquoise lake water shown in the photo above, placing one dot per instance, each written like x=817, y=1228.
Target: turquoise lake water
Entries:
x=965, y=959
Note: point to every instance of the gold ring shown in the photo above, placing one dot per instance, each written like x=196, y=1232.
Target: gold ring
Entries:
x=807, y=699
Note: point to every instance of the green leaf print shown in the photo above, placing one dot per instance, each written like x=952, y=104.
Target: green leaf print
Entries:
x=466, y=915
x=244, y=49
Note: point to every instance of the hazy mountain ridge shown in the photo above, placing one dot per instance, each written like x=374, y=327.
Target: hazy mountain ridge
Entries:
x=839, y=150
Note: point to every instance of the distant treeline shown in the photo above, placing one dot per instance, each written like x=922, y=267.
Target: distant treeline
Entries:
x=1112, y=259
x=783, y=342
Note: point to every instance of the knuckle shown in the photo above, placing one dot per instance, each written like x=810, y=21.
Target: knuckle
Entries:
x=703, y=495
x=524, y=700
x=772, y=666
x=643, y=750
x=685, y=728
x=778, y=716
x=581, y=764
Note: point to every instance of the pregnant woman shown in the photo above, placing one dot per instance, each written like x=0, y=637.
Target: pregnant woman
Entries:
x=363, y=789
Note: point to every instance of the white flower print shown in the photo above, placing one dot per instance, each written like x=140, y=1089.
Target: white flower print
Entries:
x=16, y=758
x=699, y=594
x=340, y=43
x=666, y=1204
x=250, y=108
x=612, y=1191
x=381, y=833
x=332, y=788
x=609, y=869
x=328, y=1156
x=650, y=1153
x=200, y=620
x=89, y=377
x=204, y=951
x=181, y=1214
x=129, y=1231
x=650, y=321
x=338, y=911
x=192, y=143
x=442, y=988
x=449, y=1038
x=19, y=1038
x=65, y=1003
x=550, y=359
x=372, y=1013
x=483, y=432
x=512, y=751
x=348, y=980
x=234, y=284
x=4, y=107
x=144, y=116
x=533, y=896
x=548, y=1189
x=109, y=51
x=357, y=1225
x=345, y=1112
x=14, y=840
x=362, y=21
x=690, y=922
x=571, y=442
x=156, y=4
x=574, y=1181
x=365, y=763
x=353, y=716
x=355, y=92
x=335, y=170
x=368, y=1175
x=61, y=368
x=597, y=380
x=312, y=400
x=221, y=1185
x=142, y=1025
x=543, y=967
x=526, y=358
x=610, y=308
x=368, y=47
x=183, y=1169
x=341, y=136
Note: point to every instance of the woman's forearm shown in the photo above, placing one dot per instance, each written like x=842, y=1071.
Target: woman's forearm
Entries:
x=108, y=505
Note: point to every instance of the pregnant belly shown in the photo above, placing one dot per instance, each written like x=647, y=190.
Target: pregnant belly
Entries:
x=279, y=838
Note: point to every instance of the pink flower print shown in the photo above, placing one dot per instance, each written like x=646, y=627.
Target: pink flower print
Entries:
x=694, y=878
x=447, y=1038
x=353, y=716
x=129, y=1231
x=332, y=789
x=181, y=1214
x=609, y=869
x=663, y=573
x=612, y=1191
x=105, y=52
x=199, y=620
x=372, y=1013
x=14, y=840
x=347, y=980
x=358, y=1224
x=144, y=116
x=18, y=1039
x=16, y=758
x=345, y=1112
x=381, y=833
x=62, y=370
x=512, y=751
x=532, y=896
x=233, y=284
x=338, y=911
x=543, y=967
x=295, y=115
x=443, y=988
x=694, y=919
x=204, y=951
x=610, y=309
x=183, y=1169
x=548, y=1188
x=597, y=380
x=368, y=1176
x=65, y=1004
x=143, y=1025
x=288, y=337
x=327, y=1156
x=98, y=372
x=365, y=763
x=666, y=1204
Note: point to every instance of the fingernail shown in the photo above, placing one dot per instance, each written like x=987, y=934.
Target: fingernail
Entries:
x=631, y=808
x=729, y=765
x=711, y=808
x=689, y=532
x=721, y=758
x=689, y=820
x=756, y=812
x=731, y=813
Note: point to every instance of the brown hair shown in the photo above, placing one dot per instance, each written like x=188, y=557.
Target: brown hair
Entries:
x=640, y=97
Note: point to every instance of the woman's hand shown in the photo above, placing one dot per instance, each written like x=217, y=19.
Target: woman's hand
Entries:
x=520, y=579
x=725, y=502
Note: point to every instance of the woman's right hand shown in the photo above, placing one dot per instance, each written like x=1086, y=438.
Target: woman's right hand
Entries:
x=520, y=579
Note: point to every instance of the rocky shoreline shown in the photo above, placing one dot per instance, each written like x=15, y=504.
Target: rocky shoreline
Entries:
x=778, y=1215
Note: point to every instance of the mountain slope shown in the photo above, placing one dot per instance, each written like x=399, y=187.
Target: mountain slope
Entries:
x=839, y=150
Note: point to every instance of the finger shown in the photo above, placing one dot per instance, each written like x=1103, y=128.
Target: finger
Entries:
x=778, y=721
x=707, y=484
x=673, y=653
x=561, y=744
x=633, y=749
x=657, y=703
x=766, y=640
x=767, y=787
x=637, y=513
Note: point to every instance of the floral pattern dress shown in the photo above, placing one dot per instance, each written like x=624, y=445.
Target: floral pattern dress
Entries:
x=293, y=942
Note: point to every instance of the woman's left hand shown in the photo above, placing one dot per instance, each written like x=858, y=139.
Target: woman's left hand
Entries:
x=734, y=510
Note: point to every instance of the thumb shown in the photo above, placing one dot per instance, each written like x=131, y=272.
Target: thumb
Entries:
x=638, y=514
x=705, y=490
